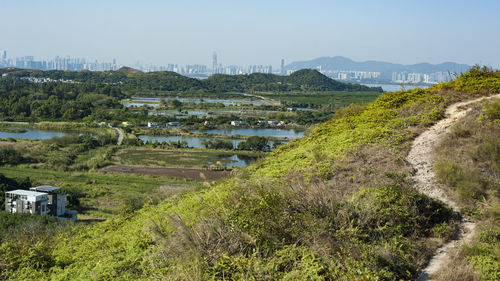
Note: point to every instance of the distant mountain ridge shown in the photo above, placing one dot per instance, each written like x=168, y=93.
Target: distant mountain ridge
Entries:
x=385, y=68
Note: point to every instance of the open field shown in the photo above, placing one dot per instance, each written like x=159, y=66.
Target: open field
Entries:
x=104, y=195
x=186, y=173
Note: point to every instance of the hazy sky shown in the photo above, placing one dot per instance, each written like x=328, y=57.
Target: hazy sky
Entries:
x=253, y=32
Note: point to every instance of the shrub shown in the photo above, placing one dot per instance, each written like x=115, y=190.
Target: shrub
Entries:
x=10, y=155
x=467, y=182
x=491, y=112
x=218, y=144
x=255, y=143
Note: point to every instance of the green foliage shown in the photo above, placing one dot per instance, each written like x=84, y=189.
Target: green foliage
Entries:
x=468, y=183
x=9, y=155
x=491, y=112
x=255, y=143
x=484, y=257
x=217, y=144
x=21, y=99
x=9, y=184
x=106, y=82
x=478, y=80
x=14, y=223
x=176, y=104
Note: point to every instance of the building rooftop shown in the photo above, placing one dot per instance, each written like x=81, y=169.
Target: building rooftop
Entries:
x=25, y=192
x=46, y=188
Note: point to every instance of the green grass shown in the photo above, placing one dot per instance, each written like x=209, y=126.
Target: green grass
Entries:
x=12, y=130
x=103, y=195
x=185, y=158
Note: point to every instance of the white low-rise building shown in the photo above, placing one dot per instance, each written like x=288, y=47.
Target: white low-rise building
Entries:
x=239, y=123
x=27, y=201
x=42, y=200
x=153, y=125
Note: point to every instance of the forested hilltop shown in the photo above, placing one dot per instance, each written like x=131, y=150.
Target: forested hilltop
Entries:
x=302, y=80
x=336, y=204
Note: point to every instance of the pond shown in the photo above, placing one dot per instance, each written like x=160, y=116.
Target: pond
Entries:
x=191, y=141
x=264, y=132
x=177, y=113
x=35, y=134
x=155, y=102
x=196, y=142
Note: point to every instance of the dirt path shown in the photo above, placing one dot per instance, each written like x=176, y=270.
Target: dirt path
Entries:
x=420, y=157
x=120, y=136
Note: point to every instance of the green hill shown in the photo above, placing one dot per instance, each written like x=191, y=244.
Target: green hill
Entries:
x=334, y=205
x=132, y=79
x=128, y=70
x=302, y=80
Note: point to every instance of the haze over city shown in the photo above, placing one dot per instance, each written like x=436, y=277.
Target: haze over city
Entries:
x=254, y=32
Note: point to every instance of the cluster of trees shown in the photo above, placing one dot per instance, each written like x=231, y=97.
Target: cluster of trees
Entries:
x=302, y=80
x=218, y=144
x=21, y=99
x=254, y=143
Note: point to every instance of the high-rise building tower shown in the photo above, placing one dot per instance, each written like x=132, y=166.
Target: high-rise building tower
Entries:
x=283, y=72
x=3, y=55
x=214, y=63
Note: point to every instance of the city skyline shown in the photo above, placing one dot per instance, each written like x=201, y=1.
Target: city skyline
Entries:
x=257, y=32
x=202, y=71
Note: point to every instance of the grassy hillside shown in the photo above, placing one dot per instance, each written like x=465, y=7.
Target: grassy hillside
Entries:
x=334, y=205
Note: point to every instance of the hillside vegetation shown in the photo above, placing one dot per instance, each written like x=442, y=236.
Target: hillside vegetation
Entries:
x=302, y=80
x=334, y=205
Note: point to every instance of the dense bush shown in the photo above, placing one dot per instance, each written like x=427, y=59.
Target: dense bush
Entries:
x=10, y=155
x=217, y=144
x=255, y=143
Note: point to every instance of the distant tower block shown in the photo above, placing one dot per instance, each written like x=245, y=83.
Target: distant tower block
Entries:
x=214, y=63
x=283, y=71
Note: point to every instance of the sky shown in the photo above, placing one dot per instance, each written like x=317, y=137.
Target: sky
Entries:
x=253, y=32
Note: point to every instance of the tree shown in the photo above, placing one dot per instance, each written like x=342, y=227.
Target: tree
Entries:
x=255, y=143
x=218, y=144
x=176, y=104
x=9, y=155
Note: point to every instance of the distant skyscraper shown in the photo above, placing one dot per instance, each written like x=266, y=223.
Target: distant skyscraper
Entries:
x=3, y=55
x=283, y=72
x=214, y=63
